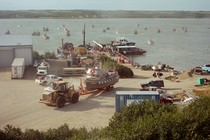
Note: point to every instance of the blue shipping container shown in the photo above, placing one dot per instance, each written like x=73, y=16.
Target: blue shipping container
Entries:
x=123, y=98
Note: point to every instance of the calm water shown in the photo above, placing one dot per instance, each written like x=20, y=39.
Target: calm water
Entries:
x=179, y=49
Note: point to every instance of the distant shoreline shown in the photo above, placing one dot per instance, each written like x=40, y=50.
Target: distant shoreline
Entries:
x=89, y=14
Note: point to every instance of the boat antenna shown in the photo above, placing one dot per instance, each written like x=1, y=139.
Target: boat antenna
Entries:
x=84, y=36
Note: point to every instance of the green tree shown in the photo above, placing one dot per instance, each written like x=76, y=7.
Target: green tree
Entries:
x=49, y=55
x=123, y=71
x=139, y=120
x=61, y=133
x=197, y=119
x=12, y=133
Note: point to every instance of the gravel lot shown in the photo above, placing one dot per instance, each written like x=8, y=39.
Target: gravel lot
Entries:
x=19, y=105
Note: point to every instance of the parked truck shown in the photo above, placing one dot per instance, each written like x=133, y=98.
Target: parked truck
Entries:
x=18, y=68
x=42, y=70
x=206, y=68
x=154, y=84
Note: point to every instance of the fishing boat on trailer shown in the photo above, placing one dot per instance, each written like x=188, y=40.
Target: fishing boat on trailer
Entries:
x=97, y=79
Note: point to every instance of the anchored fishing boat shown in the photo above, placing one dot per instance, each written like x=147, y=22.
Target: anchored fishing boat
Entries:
x=124, y=47
x=129, y=50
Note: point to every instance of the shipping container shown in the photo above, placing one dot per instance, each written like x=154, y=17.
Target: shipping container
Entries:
x=18, y=68
x=125, y=98
x=200, y=81
x=80, y=50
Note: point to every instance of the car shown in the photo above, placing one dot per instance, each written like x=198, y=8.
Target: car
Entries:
x=42, y=70
x=166, y=99
x=198, y=70
x=36, y=64
x=39, y=79
x=153, y=83
x=206, y=68
x=48, y=79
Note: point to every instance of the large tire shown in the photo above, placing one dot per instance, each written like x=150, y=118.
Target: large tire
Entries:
x=44, y=83
x=108, y=88
x=112, y=88
x=60, y=101
x=144, y=87
x=75, y=97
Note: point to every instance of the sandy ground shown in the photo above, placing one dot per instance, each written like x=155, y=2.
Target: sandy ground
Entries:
x=19, y=102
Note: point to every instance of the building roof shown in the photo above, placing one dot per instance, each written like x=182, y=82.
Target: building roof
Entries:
x=137, y=93
x=15, y=40
x=18, y=62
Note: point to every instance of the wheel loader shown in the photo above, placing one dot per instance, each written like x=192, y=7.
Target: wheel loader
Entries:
x=59, y=93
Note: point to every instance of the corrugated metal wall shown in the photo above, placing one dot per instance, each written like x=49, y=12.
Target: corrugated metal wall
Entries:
x=127, y=99
x=6, y=58
x=12, y=46
x=26, y=53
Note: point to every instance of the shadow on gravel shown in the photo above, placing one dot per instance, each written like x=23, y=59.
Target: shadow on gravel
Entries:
x=140, y=77
x=171, y=88
x=30, y=73
x=95, y=101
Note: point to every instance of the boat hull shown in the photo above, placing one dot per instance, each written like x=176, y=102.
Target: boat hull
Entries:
x=92, y=84
x=132, y=52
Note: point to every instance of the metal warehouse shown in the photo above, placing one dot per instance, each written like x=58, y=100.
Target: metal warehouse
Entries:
x=15, y=46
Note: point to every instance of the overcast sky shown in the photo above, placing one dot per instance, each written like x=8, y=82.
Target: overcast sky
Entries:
x=185, y=5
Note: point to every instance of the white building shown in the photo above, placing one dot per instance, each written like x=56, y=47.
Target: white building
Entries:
x=15, y=46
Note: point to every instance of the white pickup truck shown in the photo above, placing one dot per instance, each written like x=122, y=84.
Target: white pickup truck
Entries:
x=206, y=68
x=48, y=79
x=42, y=70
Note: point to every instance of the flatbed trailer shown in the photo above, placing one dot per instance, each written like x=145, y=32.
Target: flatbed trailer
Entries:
x=84, y=91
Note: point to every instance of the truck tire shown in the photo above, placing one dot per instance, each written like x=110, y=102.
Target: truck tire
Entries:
x=144, y=87
x=112, y=88
x=108, y=88
x=44, y=83
x=60, y=101
x=75, y=97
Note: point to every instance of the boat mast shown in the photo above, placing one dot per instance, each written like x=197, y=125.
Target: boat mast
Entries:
x=84, y=36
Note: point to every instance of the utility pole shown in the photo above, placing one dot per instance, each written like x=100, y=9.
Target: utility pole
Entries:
x=84, y=36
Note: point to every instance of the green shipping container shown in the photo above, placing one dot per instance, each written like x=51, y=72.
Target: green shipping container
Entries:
x=200, y=81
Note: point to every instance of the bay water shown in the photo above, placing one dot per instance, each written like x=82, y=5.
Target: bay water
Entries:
x=179, y=49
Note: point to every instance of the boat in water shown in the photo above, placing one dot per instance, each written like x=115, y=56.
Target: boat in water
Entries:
x=46, y=37
x=129, y=50
x=97, y=79
x=150, y=42
x=124, y=47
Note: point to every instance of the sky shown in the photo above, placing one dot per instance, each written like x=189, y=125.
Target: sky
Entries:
x=150, y=5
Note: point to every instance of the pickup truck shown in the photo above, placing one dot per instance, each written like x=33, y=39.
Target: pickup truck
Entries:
x=48, y=79
x=154, y=83
x=42, y=70
x=206, y=68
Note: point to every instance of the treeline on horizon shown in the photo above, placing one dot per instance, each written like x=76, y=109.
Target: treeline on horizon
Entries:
x=4, y=14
